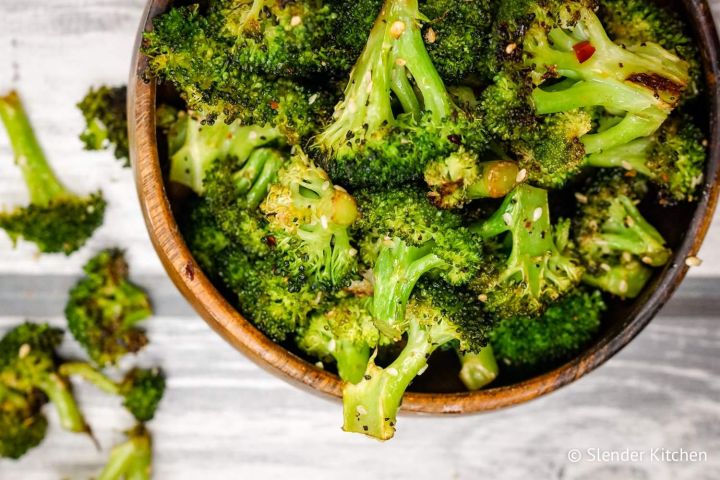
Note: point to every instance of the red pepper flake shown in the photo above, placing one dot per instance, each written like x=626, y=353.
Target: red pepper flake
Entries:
x=583, y=51
x=274, y=105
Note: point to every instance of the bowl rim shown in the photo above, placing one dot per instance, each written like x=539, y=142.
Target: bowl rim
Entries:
x=239, y=332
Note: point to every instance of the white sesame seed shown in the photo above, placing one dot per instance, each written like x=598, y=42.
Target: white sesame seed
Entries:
x=626, y=257
x=605, y=267
x=331, y=345
x=325, y=185
x=324, y=221
x=351, y=106
x=24, y=350
x=422, y=370
x=352, y=252
x=581, y=198
x=397, y=29
x=521, y=176
x=693, y=261
x=252, y=136
x=430, y=35
x=647, y=260
x=507, y=218
x=510, y=48
x=361, y=410
x=392, y=372
x=537, y=214
x=295, y=21
x=482, y=297
x=312, y=98
x=626, y=165
x=320, y=365
x=623, y=286
x=339, y=188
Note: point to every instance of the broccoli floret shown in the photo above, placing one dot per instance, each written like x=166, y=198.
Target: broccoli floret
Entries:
x=538, y=268
x=529, y=344
x=343, y=333
x=193, y=52
x=453, y=33
x=436, y=315
x=673, y=159
x=29, y=364
x=140, y=389
x=22, y=424
x=105, y=112
x=478, y=369
x=404, y=238
x=104, y=308
x=204, y=238
x=130, y=459
x=367, y=144
x=611, y=235
x=57, y=220
x=309, y=220
x=462, y=177
x=641, y=21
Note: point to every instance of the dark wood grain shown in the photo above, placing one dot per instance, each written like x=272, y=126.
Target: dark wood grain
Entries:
x=622, y=327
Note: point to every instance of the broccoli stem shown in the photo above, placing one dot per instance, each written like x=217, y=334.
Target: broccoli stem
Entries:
x=131, y=459
x=90, y=374
x=478, y=368
x=631, y=156
x=631, y=127
x=352, y=360
x=255, y=177
x=58, y=391
x=397, y=270
x=404, y=91
x=43, y=185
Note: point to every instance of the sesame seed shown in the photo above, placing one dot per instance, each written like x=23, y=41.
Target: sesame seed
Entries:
x=332, y=345
x=339, y=188
x=482, y=297
x=397, y=29
x=392, y=372
x=400, y=62
x=325, y=185
x=430, y=35
x=352, y=252
x=605, y=267
x=324, y=222
x=422, y=370
x=510, y=48
x=626, y=257
x=320, y=365
x=623, y=286
x=295, y=21
x=581, y=198
x=626, y=165
x=521, y=176
x=629, y=221
x=647, y=260
x=252, y=136
x=361, y=410
x=24, y=350
x=693, y=261
x=312, y=98
x=537, y=214
x=507, y=218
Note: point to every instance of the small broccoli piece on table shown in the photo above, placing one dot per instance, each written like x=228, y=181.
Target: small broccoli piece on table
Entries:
x=367, y=144
x=29, y=364
x=344, y=333
x=538, y=269
x=405, y=237
x=436, y=315
x=309, y=220
x=140, y=389
x=612, y=236
x=105, y=113
x=673, y=159
x=104, y=309
x=57, y=220
x=22, y=423
x=529, y=344
x=478, y=369
x=197, y=53
x=462, y=177
x=131, y=459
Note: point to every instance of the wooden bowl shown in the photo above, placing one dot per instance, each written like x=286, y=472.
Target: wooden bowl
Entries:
x=683, y=226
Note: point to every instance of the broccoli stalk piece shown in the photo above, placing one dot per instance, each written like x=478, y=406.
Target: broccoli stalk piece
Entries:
x=478, y=369
x=530, y=344
x=436, y=315
x=29, y=364
x=104, y=308
x=56, y=220
x=343, y=333
x=105, y=113
x=130, y=459
x=461, y=177
x=140, y=389
x=673, y=159
x=612, y=236
x=309, y=219
x=537, y=271
x=406, y=238
x=22, y=424
x=367, y=145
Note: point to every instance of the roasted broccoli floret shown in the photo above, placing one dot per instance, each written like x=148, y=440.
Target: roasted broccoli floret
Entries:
x=130, y=459
x=309, y=220
x=612, y=236
x=529, y=344
x=538, y=269
x=343, y=333
x=57, y=220
x=404, y=238
x=29, y=364
x=199, y=55
x=22, y=423
x=367, y=144
x=104, y=308
x=105, y=113
x=462, y=177
x=140, y=389
x=673, y=159
x=478, y=369
x=436, y=315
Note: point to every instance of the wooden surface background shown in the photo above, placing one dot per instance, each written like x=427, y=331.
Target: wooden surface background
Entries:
x=224, y=418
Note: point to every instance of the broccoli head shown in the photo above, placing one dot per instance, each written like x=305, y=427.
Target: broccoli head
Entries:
x=538, y=269
x=56, y=220
x=104, y=308
x=22, y=424
x=105, y=116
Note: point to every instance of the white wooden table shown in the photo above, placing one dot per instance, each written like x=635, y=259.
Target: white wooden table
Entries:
x=224, y=418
